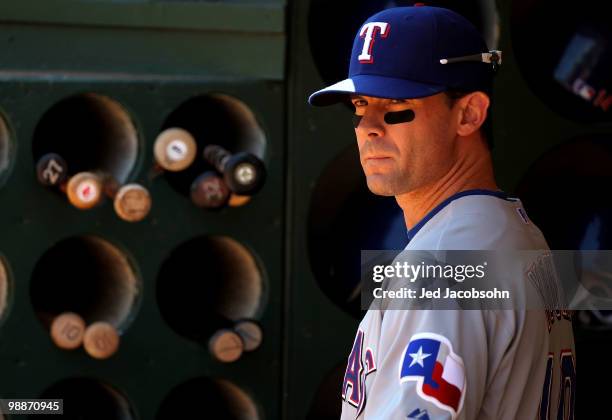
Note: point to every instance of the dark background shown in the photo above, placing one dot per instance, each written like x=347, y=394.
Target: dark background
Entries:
x=185, y=63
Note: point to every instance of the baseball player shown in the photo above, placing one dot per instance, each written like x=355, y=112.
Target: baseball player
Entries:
x=420, y=81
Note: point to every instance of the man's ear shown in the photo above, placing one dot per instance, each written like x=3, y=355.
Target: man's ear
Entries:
x=472, y=112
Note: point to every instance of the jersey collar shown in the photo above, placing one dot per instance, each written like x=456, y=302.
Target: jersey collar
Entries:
x=499, y=194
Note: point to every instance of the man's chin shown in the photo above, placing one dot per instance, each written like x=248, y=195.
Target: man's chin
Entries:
x=379, y=187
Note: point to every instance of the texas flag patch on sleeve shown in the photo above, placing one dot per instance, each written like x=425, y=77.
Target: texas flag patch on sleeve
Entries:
x=438, y=371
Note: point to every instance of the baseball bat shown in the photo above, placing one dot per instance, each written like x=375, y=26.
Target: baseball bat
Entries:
x=250, y=332
x=67, y=330
x=101, y=340
x=83, y=189
x=226, y=345
x=51, y=170
x=209, y=191
x=174, y=150
x=243, y=172
x=132, y=202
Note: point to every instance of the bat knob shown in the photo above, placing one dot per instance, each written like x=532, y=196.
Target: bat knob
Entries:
x=209, y=191
x=226, y=346
x=174, y=149
x=244, y=173
x=251, y=334
x=67, y=330
x=132, y=202
x=51, y=170
x=85, y=190
x=101, y=340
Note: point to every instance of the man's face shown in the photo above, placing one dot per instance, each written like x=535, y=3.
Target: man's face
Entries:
x=401, y=157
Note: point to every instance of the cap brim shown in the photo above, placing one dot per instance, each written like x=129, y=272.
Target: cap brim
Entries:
x=377, y=86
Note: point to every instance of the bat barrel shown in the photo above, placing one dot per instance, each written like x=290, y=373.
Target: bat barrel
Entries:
x=222, y=399
x=87, y=275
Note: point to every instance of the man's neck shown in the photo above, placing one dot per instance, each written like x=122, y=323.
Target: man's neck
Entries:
x=464, y=175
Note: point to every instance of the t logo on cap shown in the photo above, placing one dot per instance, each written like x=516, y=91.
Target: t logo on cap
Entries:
x=369, y=31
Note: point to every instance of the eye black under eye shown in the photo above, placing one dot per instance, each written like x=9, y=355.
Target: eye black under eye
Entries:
x=393, y=117
x=398, y=117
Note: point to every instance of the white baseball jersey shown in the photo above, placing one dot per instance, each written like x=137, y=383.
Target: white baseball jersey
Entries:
x=464, y=364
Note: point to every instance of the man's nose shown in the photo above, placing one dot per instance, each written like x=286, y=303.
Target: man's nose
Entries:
x=371, y=125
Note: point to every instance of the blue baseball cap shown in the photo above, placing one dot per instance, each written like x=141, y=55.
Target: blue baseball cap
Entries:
x=413, y=52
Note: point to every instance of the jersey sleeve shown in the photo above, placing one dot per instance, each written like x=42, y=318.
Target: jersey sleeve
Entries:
x=439, y=363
